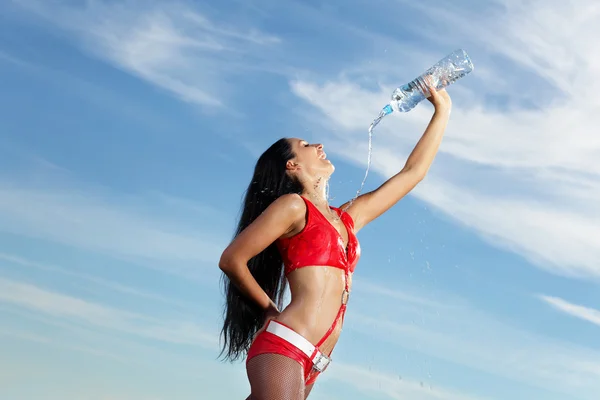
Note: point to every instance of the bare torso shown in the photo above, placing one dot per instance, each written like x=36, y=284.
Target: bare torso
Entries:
x=317, y=295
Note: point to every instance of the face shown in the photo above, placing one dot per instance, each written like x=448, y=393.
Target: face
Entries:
x=310, y=160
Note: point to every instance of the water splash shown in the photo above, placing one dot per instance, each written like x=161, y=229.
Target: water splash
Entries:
x=385, y=111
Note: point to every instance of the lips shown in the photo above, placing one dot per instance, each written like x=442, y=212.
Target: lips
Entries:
x=323, y=156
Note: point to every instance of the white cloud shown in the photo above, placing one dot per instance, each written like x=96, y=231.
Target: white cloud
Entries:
x=104, y=283
x=68, y=308
x=504, y=172
x=525, y=175
x=397, y=294
x=585, y=313
x=172, y=46
x=24, y=335
x=463, y=335
x=152, y=369
x=69, y=313
x=371, y=382
x=4, y=57
x=46, y=340
x=148, y=230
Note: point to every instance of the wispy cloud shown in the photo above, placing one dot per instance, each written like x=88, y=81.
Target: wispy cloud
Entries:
x=4, y=57
x=24, y=335
x=173, y=46
x=86, y=322
x=105, y=284
x=149, y=230
x=397, y=294
x=578, y=311
x=461, y=334
x=30, y=337
x=391, y=386
x=68, y=308
x=125, y=355
x=520, y=166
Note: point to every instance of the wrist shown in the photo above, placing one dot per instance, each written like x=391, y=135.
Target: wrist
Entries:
x=442, y=110
x=271, y=306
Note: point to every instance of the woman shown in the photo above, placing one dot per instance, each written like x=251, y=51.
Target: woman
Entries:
x=287, y=231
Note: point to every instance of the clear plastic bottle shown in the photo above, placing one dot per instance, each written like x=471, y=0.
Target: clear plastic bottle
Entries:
x=445, y=72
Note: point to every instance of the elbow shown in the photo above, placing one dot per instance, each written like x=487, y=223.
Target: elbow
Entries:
x=227, y=262
x=417, y=174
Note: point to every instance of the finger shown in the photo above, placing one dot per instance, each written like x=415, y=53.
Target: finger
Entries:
x=432, y=92
x=431, y=86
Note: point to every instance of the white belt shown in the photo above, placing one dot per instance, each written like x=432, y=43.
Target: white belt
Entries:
x=320, y=361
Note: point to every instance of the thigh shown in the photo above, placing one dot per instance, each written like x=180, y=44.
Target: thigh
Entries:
x=275, y=377
x=307, y=390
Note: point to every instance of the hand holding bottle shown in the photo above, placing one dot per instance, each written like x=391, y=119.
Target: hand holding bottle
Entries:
x=439, y=98
x=445, y=72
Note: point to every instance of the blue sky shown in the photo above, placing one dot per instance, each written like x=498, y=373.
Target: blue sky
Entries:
x=129, y=131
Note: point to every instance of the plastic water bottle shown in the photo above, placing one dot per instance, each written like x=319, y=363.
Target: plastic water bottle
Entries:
x=445, y=72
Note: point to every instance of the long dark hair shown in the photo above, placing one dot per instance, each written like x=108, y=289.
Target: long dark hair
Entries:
x=242, y=317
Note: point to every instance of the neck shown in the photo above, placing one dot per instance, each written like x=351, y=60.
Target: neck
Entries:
x=317, y=191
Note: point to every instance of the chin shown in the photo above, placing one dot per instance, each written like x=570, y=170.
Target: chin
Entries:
x=331, y=168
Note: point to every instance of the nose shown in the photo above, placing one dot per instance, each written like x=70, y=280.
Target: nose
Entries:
x=319, y=146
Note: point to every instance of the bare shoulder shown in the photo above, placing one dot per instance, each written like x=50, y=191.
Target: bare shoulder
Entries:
x=289, y=207
x=292, y=202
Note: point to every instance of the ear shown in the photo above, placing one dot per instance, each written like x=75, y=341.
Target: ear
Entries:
x=291, y=166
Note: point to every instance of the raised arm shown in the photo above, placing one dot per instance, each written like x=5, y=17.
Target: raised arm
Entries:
x=371, y=205
x=280, y=218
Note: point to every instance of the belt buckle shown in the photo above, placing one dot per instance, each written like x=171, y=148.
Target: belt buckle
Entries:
x=320, y=362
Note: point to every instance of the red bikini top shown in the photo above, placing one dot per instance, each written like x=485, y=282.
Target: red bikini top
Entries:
x=319, y=243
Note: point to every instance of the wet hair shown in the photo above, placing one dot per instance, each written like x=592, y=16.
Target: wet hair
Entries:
x=242, y=316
